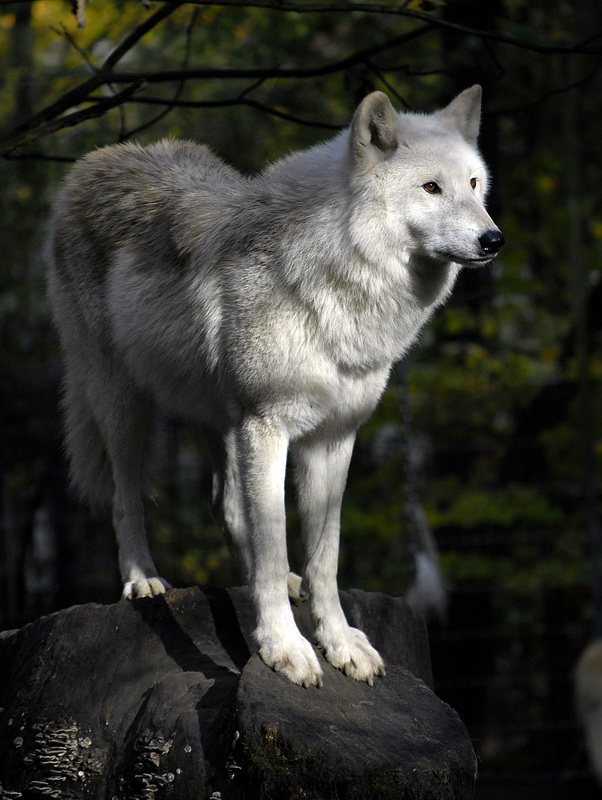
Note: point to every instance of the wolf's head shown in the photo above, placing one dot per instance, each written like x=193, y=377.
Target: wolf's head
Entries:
x=425, y=180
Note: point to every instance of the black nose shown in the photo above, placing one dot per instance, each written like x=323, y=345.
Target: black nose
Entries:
x=491, y=242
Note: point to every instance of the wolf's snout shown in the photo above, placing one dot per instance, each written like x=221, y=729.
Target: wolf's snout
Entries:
x=491, y=242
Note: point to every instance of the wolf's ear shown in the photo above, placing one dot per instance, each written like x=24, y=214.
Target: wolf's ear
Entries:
x=465, y=112
x=373, y=129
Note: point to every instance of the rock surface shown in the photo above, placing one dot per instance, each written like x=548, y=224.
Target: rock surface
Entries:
x=163, y=698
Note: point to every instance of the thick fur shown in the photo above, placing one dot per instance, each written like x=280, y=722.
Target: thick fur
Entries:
x=270, y=310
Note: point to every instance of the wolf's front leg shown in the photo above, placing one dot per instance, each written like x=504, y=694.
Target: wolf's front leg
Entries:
x=228, y=508
x=322, y=467
x=261, y=452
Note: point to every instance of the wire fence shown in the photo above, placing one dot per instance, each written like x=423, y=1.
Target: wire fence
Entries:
x=503, y=658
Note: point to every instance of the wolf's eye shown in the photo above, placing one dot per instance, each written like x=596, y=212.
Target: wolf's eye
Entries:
x=431, y=187
x=473, y=183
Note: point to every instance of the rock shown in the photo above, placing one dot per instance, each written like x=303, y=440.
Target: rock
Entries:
x=161, y=698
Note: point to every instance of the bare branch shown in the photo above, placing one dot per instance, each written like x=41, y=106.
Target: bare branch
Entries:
x=186, y=60
x=61, y=30
x=61, y=113
x=236, y=101
x=141, y=30
x=264, y=73
x=46, y=127
x=402, y=11
x=54, y=117
x=567, y=87
x=39, y=124
x=36, y=156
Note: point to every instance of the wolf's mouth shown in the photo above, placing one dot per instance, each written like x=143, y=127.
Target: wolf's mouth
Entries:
x=479, y=261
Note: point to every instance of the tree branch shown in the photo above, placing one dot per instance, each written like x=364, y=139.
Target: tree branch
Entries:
x=38, y=125
x=141, y=30
x=168, y=107
x=236, y=101
x=343, y=7
x=264, y=73
x=19, y=138
x=403, y=11
x=56, y=115
x=53, y=117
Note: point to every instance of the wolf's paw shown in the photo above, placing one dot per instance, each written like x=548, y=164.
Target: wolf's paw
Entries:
x=293, y=656
x=349, y=650
x=296, y=592
x=144, y=587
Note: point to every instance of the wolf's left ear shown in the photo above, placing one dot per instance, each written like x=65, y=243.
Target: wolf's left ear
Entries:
x=465, y=112
x=373, y=129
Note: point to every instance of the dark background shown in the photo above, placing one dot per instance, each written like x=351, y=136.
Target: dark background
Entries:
x=495, y=430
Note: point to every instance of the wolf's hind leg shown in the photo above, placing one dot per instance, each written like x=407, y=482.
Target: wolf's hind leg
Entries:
x=127, y=421
x=321, y=473
x=227, y=506
x=138, y=570
x=296, y=590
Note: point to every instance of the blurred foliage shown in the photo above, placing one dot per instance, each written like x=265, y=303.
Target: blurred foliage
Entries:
x=500, y=428
x=489, y=358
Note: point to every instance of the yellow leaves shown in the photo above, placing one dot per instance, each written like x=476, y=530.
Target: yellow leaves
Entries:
x=595, y=228
x=425, y=6
x=201, y=567
x=241, y=32
x=46, y=12
x=191, y=564
x=7, y=21
x=208, y=14
x=24, y=192
x=550, y=353
x=592, y=368
x=476, y=355
x=546, y=183
x=595, y=367
x=490, y=325
x=457, y=320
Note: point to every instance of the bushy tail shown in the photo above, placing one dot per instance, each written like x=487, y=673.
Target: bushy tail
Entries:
x=129, y=420
x=88, y=458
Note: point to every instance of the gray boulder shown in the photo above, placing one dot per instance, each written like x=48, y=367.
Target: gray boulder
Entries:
x=165, y=698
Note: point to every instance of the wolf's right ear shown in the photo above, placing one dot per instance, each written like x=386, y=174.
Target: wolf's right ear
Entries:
x=373, y=129
x=465, y=112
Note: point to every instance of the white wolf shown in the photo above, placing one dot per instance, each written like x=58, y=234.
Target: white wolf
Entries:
x=270, y=310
